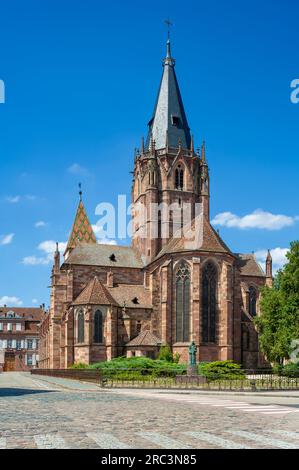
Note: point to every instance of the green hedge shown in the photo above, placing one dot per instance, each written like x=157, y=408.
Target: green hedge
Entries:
x=134, y=367
x=143, y=368
x=289, y=370
x=221, y=370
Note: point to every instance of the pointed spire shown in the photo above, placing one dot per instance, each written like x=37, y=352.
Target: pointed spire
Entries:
x=203, y=152
x=192, y=145
x=142, y=145
x=80, y=191
x=82, y=231
x=56, y=266
x=269, y=265
x=169, y=114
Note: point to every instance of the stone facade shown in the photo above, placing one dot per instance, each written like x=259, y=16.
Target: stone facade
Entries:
x=178, y=282
x=19, y=335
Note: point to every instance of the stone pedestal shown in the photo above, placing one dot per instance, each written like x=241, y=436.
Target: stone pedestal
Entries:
x=190, y=380
x=192, y=370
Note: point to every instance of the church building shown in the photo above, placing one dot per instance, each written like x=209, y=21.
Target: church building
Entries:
x=177, y=282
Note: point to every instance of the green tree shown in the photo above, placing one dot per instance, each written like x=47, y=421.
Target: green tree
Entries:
x=278, y=323
x=165, y=353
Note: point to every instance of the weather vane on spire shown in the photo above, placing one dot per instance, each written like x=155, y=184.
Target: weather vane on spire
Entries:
x=168, y=23
x=80, y=191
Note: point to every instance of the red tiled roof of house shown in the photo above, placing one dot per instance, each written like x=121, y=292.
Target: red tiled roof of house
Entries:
x=35, y=314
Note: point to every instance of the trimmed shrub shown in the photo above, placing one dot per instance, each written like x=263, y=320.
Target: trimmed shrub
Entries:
x=135, y=367
x=165, y=354
x=289, y=370
x=79, y=365
x=176, y=358
x=221, y=370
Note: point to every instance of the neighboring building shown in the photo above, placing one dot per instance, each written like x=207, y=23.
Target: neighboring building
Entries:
x=109, y=300
x=19, y=335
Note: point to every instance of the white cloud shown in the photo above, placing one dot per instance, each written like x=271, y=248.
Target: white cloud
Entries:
x=48, y=248
x=257, y=219
x=10, y=301
x=278, y=257
x=7, y=239
x=40, y=224
x=35, y=260
x=101, y=235
x=30, y=197
x=77, y=169
x=13, y=199
x=34, y=301
x=106, y=241
x=16, y=199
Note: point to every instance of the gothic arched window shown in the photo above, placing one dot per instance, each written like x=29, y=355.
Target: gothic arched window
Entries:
x=98, y=327
x=80, y=323
x=183, y=303
x=179, y=178
x=252, y=301
x=209, y=303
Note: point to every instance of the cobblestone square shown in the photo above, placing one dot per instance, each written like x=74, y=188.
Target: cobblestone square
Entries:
x=52, y=413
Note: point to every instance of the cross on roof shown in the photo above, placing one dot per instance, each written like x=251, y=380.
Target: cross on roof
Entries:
x=168, y=23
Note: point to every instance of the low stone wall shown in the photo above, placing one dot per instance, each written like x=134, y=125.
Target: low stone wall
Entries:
x=74, y=374
x=190, y=380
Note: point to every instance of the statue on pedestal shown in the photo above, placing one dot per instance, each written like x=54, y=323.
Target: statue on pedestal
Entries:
x=192, y=354
x=192, y=369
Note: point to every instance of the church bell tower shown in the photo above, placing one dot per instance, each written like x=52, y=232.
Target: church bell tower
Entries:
x=170, y=177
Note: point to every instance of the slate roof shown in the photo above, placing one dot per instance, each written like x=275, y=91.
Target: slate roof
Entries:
x=210, y=240
x=145, y=338
x=248, y=265
x=169, y=120
x=95, y=293
x=127, y=293
x=81, y=230
x=99, y=255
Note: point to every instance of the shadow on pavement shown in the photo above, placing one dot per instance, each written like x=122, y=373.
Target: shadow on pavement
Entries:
x=15, y=392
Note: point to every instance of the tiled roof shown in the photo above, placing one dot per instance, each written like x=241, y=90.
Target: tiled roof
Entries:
x=133, y=296
x=248, y=265
x=82, y=230
x=101, y=255
x=29, y=313
x=145, y=338
x=192, y=241
x=95, y=293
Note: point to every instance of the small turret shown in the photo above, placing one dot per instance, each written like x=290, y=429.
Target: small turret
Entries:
x=56, y=266
x=269, y=276
x=205, y=183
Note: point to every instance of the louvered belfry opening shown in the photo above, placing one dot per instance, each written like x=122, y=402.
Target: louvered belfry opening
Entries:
x=183, y=303
x=209, y=303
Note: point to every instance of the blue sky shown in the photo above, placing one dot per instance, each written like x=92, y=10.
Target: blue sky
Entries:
x=81, y=81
